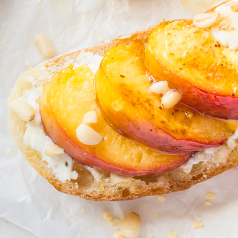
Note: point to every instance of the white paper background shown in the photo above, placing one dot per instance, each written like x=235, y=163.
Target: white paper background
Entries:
x=26, y=198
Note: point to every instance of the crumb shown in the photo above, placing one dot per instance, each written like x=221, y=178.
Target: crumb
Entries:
x=89, y=231
x=152, y=235
x=9, y=150
x=84, y=18
x=173, y=235
x=199, y=219
x=118, y=234
x=2, y=24
x=116, y=228
x=28, y=65
x=111, y=222
x=107, y=216
x=117, y=220
x=156, y=214
x=100, y=39
x=197, y=224
x=82, y=209
x=210, y=195
x=208, y=203
x=161, y=198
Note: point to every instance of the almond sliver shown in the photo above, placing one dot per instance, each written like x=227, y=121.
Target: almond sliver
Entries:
x=22, y=109
x=205, y=20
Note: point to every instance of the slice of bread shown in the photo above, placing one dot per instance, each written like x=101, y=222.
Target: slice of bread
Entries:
x=99, y=185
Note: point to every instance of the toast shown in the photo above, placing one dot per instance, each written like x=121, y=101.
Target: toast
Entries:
x=98, y=185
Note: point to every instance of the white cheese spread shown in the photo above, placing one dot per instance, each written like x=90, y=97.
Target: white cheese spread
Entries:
x=218, y=154
x=61, y=165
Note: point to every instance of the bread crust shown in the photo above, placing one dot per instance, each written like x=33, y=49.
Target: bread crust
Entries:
x=103, y=189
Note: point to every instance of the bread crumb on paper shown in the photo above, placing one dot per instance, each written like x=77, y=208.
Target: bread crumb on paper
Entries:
x=28, y=64
x=156, y=214
x=2, y=24
x=111, y=222
x=118, y=234
x=199, y=219
x=208, y=203
x=100, y=39
x=89, y=231
x=117, y=220
x=161, y=198
x=9, y=150
x=173, y=235
x=107, y=216
x=84, y=18
x=210, y=196
x=152, y=235
x=82, y=209
x=197, y=224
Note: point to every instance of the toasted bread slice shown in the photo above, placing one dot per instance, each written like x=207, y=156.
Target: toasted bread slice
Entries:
x=99, y=185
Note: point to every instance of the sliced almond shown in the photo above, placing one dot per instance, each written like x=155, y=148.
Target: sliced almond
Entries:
x=210, y=196
x=205, y=20
x=87, y=135
x=90, y=117
x=22, y=109
x=160, y=87
x=54, y=150
x=170, y=99
x=45, y=46
x=130, y=226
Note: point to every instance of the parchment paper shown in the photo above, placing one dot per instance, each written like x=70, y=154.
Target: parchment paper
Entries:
x=26, y=198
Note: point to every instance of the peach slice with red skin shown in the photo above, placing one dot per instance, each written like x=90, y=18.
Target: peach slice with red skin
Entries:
x=65, y=101
x=194, y=63
x=122, y=88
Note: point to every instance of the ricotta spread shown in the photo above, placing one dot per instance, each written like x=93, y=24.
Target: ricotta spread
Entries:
x=218, y=154
x=35, y=137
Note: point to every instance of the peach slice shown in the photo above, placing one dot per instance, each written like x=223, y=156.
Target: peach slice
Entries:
x=122, y=88
x=191, y=61
x=66, y=99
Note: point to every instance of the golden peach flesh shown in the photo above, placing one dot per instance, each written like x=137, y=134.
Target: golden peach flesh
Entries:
x=65, y=101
